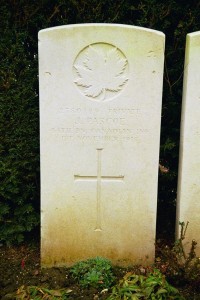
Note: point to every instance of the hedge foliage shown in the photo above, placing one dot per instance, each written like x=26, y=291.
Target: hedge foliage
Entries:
x=19, y=130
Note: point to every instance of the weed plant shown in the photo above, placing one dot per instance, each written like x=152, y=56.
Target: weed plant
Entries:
x=181, y=267
x=39, y=293
x=94, y=272
x=135, y=287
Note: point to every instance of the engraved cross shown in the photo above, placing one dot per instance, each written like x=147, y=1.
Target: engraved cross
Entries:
x=98, y=178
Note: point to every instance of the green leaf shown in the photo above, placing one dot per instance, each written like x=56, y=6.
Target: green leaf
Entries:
x=161, y=291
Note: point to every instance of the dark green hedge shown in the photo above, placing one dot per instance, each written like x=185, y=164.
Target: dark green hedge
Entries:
x=19, y=129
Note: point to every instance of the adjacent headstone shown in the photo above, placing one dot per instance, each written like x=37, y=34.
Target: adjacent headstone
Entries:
x=100, y=112
x=188, y=201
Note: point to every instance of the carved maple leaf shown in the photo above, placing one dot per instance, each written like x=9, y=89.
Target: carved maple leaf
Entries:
x=101, y=72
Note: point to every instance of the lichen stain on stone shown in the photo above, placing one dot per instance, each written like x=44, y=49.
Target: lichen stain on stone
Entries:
x=60, y=252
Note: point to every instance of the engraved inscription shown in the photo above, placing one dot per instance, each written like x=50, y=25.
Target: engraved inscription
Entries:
x=100, y=71
x=114, y=111
x=83, y=124
x=99, y=178
x=99, y=134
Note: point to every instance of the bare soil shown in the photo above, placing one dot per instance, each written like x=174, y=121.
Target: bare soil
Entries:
x=20, y=265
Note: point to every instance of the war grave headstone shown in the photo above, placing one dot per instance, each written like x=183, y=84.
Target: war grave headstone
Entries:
x=188, y=200
x=100, y=113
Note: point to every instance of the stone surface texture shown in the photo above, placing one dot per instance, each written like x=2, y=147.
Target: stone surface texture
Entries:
x=100, y=112
x=189, y=159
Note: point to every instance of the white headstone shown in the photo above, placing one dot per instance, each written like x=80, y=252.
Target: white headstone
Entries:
x=188, y=208
x=100, y=108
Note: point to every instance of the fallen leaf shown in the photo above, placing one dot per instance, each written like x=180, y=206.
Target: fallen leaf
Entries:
x=36, y=272
x=56, y=293
x=104, y=291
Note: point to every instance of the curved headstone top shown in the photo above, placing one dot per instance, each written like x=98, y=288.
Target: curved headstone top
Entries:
x=101, y=25
x=100, y=113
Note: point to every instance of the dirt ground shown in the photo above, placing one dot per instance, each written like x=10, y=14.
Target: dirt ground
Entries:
x=21, y=266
